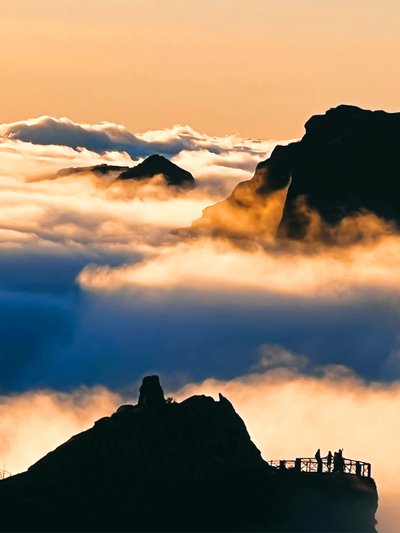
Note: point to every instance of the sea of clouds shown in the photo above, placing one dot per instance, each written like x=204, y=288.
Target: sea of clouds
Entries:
x=103, y=281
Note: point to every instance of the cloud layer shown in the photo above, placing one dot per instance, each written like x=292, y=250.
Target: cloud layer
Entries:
x=110, y=137
x=76, y=246
x=219, y=265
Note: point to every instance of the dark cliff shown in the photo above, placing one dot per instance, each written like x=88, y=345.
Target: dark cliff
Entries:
x=189, y=466
x=346, y=163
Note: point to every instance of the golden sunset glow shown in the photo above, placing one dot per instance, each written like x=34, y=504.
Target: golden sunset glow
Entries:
x=257, y=67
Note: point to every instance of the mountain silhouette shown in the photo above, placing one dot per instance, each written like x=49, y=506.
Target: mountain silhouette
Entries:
x=100, y=170
x=155, y=165
x=345, y=164
x=167, y=466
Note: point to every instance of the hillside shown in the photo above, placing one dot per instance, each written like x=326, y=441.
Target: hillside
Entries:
x=188, y=466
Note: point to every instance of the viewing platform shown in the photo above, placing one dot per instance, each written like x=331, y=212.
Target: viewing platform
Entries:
x=312, y=465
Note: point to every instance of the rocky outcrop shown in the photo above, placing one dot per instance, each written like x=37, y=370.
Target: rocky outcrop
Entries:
x=156, y=165
x=346, y=164
x=151, y=394
x=167, y=466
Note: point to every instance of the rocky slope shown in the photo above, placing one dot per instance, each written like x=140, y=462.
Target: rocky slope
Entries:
x=346, y=164
x=189, y=466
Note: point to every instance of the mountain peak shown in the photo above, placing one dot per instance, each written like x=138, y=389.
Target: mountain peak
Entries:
x=157, y=164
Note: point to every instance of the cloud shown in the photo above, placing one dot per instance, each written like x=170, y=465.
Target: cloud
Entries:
x=275, y=356
x=46, y=419
x=107, y=258
x=246, y=213
x=52, y=228
x=110, y=137
x=29, y=161
x=220, y=265
x=81, y=210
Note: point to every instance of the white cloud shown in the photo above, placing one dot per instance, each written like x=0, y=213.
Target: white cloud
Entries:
x=276, y=356
x=87, y=211
x=107, y=136
x=218, y=265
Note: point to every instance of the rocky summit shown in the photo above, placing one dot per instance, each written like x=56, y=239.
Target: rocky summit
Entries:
x=158, y=165
x=161, y=465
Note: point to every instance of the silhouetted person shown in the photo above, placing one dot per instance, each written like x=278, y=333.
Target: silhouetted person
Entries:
x=335, y=462
x=358, y=468
x=319, y=461
x=341, y=460
x=338, y=461
x=282, y=465
x=329, y=460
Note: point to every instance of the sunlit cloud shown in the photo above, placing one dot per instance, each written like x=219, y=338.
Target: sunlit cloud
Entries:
x=46, y=419
x=41, y=209
x=218, y=264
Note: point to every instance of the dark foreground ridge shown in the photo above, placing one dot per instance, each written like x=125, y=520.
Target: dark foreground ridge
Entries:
x=154, y=165
x=345, y=164
x=188, y=466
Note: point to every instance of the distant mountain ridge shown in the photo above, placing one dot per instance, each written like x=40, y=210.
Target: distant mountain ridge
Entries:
x=102, y=169
x=154, y=165
x=167, y=466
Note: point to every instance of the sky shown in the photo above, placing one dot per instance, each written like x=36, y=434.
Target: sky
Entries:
x=259, y=68
x=102, y=282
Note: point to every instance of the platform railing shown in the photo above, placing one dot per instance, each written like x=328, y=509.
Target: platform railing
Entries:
x=312, y=465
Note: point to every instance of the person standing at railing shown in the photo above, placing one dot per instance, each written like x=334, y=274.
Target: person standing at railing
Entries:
x=329, y=461
x=338, y=461
x=335, y=462
x=319, y=461
x=341, y=460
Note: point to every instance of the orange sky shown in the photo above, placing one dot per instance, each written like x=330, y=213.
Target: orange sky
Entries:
x=258, y=67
